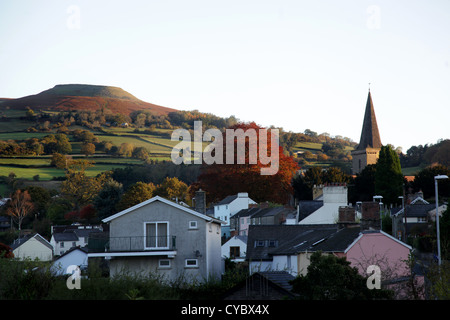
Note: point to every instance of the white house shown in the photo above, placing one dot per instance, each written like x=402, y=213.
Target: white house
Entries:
x=76, y=256
x=231, y=205
x=235, y=248
x=65, y=238
x=32, y=246
x=334, y=196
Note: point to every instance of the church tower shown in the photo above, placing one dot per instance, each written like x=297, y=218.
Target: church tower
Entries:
x=369, y=147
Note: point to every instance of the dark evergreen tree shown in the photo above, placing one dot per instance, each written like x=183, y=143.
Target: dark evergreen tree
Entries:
x=388, y=176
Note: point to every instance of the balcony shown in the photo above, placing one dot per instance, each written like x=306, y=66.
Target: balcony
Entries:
x=132, y=246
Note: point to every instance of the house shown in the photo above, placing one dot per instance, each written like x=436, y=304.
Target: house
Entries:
x=240, y=221
x=235, y=248
x=65, y=238
x=289, y=247
x=75, y=256
x=324, y=209
x=259, y=215
x=161, y=236
x=230, y=206
x=414, y=218
x=272, y=285
x=5, y=223
x=32, y=246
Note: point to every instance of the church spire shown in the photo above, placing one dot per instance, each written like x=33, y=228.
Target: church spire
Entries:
x=370, y=137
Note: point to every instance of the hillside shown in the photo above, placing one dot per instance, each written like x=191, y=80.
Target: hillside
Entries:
x=84, y=97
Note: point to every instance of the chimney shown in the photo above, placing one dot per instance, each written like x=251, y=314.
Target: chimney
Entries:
x=264, y=205
x=370, y=216
x=200, y=201
x=346, y=217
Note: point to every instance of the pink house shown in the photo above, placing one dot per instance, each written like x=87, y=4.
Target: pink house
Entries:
x=363, y=244
x=379, y=249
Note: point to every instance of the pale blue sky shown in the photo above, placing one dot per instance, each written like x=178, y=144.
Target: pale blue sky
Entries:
x=293, y=64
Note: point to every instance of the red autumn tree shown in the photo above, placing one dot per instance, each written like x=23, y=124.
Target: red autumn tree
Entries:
x=222, y=180
x=6, y=251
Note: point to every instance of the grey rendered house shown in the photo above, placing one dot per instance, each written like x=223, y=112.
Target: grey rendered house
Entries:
x=163, y=237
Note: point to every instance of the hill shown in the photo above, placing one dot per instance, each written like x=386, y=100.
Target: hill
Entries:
x=85, y=97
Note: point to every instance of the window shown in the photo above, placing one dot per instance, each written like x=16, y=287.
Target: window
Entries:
x=192, y=224
x=259, y=243
x=191, y=263
x=157, y=235
x=61, y=245
x=164, y=263
x=235, y=252
x=272, y=243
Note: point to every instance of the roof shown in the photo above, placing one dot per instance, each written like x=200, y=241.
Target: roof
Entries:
x=281, y=278
x=18, y=242
x=227, y=200
x=278, y=280
x=377, y=232
x=370, y=136
x=65, y=236
x=240, y=238
x=165, y=201
x=419, y=210
x=306, y=207
x=293, y=239
x=82, y=249
x=262, y=212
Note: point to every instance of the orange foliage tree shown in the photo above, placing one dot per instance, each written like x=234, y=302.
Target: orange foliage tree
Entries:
x=20, y=206
x=222, y=180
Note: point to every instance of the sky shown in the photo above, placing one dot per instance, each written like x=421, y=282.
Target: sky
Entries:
x=292, y=64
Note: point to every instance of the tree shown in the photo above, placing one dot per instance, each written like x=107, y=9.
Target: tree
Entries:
x=424, y=180
x=60, y=161
x=172, y=188
x=107, y=199
x=20, y=206
x=126, y=149
x=137, y=193
x=365, y=184
x=388, y=176
x=332, y=278
x=78, y=187
x=6, y=251
x=222, y=180
x=88, y=149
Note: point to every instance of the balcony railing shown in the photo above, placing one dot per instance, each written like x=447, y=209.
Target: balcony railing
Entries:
x=132, y=244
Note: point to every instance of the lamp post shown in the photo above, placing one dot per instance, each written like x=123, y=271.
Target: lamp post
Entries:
x=436, y=178
x=404, y=212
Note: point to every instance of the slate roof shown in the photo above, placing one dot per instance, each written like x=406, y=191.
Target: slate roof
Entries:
x=306, y=207
x=293, y=239
x=18, y=242
x=65, y=236
x=227, y=200
x=370, y=136
x=245, y=212
x=416, y=210
x=419, y=210
x=281, y=278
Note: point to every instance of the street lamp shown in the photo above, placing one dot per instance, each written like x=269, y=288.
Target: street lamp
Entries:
x=436, y=178
x=404, y=213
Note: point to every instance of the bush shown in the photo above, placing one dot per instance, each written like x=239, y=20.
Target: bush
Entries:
x=25, y=280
